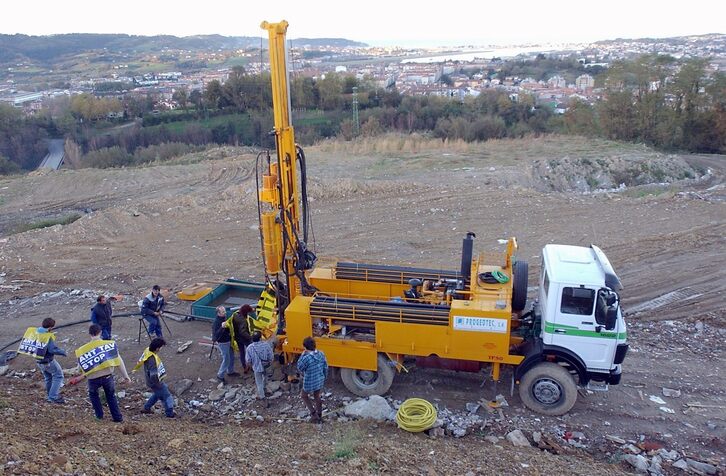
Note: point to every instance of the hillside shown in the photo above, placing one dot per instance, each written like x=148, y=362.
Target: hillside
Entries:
x=392, y=200
x=47, y=49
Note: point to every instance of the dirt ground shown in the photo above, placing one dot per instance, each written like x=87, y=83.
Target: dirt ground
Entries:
x=195, y=221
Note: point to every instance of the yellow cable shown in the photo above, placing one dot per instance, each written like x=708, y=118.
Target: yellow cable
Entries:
x=416, y=415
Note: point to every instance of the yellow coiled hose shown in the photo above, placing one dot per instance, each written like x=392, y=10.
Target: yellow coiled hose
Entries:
x=416, y=415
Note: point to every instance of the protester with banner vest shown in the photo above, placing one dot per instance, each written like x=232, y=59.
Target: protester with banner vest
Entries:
x=39, y=343
x=97, y=360
x=155, y=373
x=222, y=335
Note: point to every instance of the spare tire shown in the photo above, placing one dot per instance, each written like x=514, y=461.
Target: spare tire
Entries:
x=520, y=272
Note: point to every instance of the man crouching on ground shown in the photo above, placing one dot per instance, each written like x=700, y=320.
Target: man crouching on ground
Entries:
x=155, y=372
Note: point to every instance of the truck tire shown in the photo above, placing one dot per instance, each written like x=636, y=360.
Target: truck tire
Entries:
x=549, y=389
x=520, y=272
x=365, y=383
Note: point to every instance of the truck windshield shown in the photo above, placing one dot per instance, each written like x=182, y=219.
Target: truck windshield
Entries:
x=577, y=301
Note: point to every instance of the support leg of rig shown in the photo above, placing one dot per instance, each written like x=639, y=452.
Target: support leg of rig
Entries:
x=495, y=371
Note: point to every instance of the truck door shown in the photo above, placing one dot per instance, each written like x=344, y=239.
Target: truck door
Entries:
x=575, y=328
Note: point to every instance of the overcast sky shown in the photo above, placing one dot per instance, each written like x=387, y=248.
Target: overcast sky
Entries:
x=376, y=22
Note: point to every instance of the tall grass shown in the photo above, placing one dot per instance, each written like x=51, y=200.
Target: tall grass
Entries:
x=506, y=150
x=395, y=144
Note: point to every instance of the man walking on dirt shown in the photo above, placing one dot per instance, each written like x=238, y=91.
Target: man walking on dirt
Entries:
x=152, y=308
x=314, y=368
x=101, y=314
x=97, y=360
x=154, y=373
x=39, y=343
x=259, y=356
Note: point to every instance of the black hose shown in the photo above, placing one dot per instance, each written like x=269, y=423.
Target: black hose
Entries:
x=259, y=205
x=303, y=190
x=68, y=324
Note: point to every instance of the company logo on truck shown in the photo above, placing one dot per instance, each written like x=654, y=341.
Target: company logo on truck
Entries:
x=480, y=324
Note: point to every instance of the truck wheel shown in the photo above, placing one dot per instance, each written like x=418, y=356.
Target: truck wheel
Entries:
x=520, y=272
x=365, y=383
x=549, y=389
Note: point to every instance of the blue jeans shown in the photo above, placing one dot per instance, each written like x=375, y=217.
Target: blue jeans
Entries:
x=162, y=393
x=154, y=325
x=260, y=381
x=53, y=375
x=110, y=390
x=225, y=348
x=242, y=357
x=106, y=333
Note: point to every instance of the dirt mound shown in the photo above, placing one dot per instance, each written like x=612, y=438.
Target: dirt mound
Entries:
x=320, y=189
x=585, y=174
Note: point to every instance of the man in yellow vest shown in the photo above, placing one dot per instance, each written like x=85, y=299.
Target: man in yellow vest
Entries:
x=155, y=373
x=39, y=343
x=97, y=360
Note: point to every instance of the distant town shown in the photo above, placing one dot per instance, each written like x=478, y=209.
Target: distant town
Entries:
x=456, y=73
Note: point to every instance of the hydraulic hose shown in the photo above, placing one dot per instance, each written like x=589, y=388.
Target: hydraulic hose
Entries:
x=416, y=415
x=68, y=324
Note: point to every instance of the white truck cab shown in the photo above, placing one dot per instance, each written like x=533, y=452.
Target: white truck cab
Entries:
x=577, y=325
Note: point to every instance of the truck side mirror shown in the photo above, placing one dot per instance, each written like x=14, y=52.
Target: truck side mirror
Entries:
x=611, y=318
x=606, y=310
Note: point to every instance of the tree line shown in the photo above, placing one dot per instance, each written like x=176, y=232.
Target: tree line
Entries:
x=655, y=99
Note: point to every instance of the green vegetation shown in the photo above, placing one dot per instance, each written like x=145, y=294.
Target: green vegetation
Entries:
x=64, y=220
x=654, y=100
x=543, y=68
x=348, y=442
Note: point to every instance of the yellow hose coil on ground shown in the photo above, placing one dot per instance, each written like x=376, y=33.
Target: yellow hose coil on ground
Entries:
x=416, y=415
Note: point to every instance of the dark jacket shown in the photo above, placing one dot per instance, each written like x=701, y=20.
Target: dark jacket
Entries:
x=101, y=314
x=220, y=334
x=152, y=305
x=151, y=372
x=51, y=351
x=241, y=331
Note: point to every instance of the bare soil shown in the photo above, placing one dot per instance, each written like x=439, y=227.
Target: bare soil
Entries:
x=195, y=221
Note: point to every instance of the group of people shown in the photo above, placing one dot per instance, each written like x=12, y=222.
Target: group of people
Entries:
x=97, y=361
x=99, y=358
x=235, y=334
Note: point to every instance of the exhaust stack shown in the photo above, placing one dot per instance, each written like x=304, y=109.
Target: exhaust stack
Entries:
x=466, y=252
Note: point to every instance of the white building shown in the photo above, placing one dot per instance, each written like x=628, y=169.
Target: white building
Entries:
x=584, y=81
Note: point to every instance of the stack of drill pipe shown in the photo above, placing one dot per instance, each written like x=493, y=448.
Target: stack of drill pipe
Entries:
x=390, y=274
x=331, y=307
